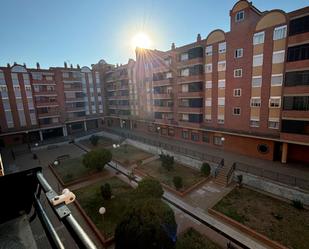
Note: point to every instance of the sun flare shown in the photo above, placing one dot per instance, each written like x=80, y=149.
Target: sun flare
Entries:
x=141, y=40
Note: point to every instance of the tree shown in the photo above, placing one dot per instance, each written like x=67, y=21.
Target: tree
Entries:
x=177, y=180
x=167, y=161
x=205, y=169
x=97, y=159
x=94, y=140
x=149, y=188
x=106, y=191
x=191, y=239
x=147, y=224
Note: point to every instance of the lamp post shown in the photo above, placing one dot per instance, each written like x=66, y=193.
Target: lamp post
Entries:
x=115, y=146
x=102, y=211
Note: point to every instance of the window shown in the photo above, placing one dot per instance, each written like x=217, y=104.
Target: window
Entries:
x=297, y=103
x=205, y=137
x=255, y=123
x=256, y=81
x=218, y=140
x=168, y=75
x=221, y=101
x=208, y=50
x=185, y=88
x=184, y=57
x=185, y=117
x=278, y=57
x=236, y=111
x=185, y=72
x=239, y=52
x=240, y=16
x=195, y=136
x=208, y=102
x=299, y=25
x=185, y=134
x=221, y=66
x=65, y=75
x=273, y=123
x=276, y=79
x=275, y=102
x=257, y=60
x=297, y=78
x=208, y=117
x=222, y=47
x=258, y=38
x=263, y=148
x=279, y=33
x=237, y=92
x=208, y=68
x=208, y=85
x=220, y=119
x=238, y=73
x=221, y=83
x=300, y=52
x=168, y=61
x=255, y=102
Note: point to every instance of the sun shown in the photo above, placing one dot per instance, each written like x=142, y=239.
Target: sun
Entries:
x=141, y=40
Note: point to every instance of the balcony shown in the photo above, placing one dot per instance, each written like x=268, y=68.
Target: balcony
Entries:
x=163, y=82
x=199, y=60
x=186, y=123
x=190, y=78
x=75, y=109
x=187, y=109
x=295, y=114
x=49, y=114
x=300, y=138
x=72, y=100
x=163, y=108
x=190, y=94
x=73, y=88
x=46, y=104
x=45, y=93
x=162, y=95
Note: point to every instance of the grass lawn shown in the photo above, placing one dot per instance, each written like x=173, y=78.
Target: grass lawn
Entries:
x=128, y=155
x=192, y=239
x=72, y=169
x=189, y=175
x=102, y=143
x=91, y=200
x=276, y=219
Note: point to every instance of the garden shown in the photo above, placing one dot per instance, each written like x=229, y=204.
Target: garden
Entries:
x=287, y=223
x=174, y=174
x=95, y=142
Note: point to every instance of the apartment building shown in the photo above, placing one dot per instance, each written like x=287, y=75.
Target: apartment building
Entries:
x=245, y=90
x=37, y=104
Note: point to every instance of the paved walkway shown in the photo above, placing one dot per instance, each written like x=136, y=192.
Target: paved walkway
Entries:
x=290, y=169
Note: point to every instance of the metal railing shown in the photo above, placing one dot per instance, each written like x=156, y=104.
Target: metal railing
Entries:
x=220, y=166
x=272, y=175
x=230, y=173
x=171, y=147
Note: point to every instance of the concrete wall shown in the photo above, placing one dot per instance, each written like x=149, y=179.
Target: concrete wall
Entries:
x=280, y=190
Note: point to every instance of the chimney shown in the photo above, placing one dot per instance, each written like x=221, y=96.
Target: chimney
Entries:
x=71, y=66
x=65, y=65
x=25, y=64
x=173, y=46
x=37, y=65
x=15, y=63
x=78, y=67
x=198, y=37
x=8, y=65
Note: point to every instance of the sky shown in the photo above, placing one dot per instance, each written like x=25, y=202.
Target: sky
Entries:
x=85, y=31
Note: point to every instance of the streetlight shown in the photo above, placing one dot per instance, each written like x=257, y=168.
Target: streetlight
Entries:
x=56, y=162
x=102, y=211
x=115, y=146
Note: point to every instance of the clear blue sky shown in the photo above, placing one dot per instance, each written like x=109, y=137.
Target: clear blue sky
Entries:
x=85, y=31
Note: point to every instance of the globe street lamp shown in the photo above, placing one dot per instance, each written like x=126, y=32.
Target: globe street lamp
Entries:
x=102, y=211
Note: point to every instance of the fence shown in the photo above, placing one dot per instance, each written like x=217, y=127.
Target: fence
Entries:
x=275, y=176
x=177, y=149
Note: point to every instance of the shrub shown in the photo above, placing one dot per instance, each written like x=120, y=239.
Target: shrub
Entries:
x=205, y=169
x=298, y=204
x=97, y=159
x=94, y=140
x=147, y=224
x=106, y=191
x=149, y=188
x=191, y=239
x=177, y=180
x=167, y=161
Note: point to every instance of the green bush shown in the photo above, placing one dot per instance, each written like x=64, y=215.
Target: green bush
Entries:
x=191, y=239
x=106, y=191
x=94, y=140
x=149, y=188
x=97, y=159
x=205, y=169
x=177, y=180
x=298, y=204
x=167, y=161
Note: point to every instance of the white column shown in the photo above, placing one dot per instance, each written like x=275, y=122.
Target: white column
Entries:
x=65, y=131
x=41, y=135
x=85, y=125
x=121, y=126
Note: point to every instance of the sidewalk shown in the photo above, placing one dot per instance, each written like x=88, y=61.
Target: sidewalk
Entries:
x=290, y=169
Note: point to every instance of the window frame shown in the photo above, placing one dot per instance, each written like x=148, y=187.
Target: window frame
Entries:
x=237, y=90
x=236, y=113
x=240, y=70
x=238, y=15
x=238, y=55
x=257, y=42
